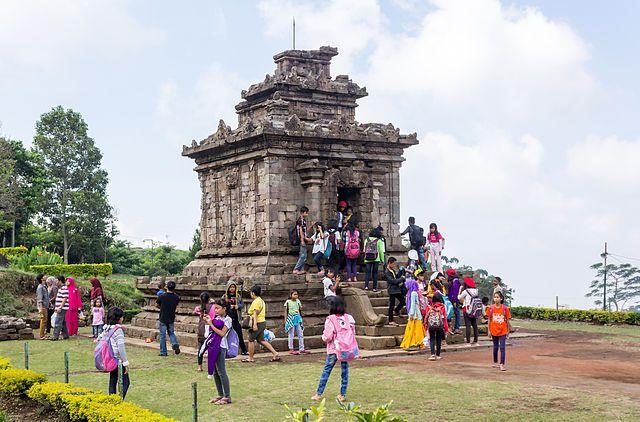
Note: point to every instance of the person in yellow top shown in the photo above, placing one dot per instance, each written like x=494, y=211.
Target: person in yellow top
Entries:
x=258, y=313
x=436, y=282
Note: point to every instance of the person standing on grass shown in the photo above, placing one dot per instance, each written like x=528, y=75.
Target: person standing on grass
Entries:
x=499, y=328
x=52, y=285
x=201, y=311
x=293, y=323
x=168, y=302
x=339, y=325
x=469, y=293
x=61, y=309
x=258, y=312
x=75, y=307
x=395, y=281
x=115, y=316
x=42, y=301
x=233, y=298
x=217, y=351
x=97, y=317
x=301, y=229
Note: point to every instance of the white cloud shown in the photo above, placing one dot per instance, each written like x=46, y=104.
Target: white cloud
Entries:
x=608, y=161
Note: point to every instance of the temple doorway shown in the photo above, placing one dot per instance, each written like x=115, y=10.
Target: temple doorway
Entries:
x=352, y=197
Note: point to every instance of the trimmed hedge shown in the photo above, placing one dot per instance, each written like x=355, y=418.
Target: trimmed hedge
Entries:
x=16, y=382
x=594, y=317
x=13, y=251
x=75, y=270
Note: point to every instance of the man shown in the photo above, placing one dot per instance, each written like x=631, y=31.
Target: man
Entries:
x=394, y=287
x=417, y=239
x=42, y=302
x=62, y=306
x=168, y=303
x=497, y=281
x=301, y=227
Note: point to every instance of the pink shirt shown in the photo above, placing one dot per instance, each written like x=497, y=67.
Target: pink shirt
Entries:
x=98, y=316
x=433, y=238
x=329, y=333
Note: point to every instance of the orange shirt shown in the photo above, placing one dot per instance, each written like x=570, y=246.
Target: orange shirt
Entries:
x=498, y=315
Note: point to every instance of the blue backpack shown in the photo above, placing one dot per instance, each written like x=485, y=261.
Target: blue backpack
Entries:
x=233, y=343
x=447, y=305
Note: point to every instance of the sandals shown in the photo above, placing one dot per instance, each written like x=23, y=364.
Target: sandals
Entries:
x=222, y=401
x=276, y=359
x=247, y=360
x=215, y=400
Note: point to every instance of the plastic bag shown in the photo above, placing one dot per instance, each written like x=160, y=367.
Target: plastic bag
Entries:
x=269, y=336
x=53, y=319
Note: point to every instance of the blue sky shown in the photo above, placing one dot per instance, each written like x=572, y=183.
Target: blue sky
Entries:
x=527, y=111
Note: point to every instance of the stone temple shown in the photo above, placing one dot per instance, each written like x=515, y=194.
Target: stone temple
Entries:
x=297, y=143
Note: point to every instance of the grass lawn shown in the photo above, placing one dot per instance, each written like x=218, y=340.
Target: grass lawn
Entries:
x=619, y=333
x=259, y=391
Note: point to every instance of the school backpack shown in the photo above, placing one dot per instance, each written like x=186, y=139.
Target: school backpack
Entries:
x=447, y=306
x=352, y=250
x=233, y=343
x=474, y=310
x=103, y=355
x=329, y=248
x=435, y=319
x=345, y=339
x=490, y=311
x=371, y=249
x=294, y=235
x=416, y=237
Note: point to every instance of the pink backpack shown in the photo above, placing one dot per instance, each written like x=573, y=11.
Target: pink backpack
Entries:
x=103, y=355
x=345, y=339
x=352, y=250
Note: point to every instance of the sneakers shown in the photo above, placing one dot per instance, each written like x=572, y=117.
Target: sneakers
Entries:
x=316, y=397
x=176, y=349
x=433, y=357
x=502, y=368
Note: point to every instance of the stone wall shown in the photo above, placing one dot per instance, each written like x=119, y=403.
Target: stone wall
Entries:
x=14, y=329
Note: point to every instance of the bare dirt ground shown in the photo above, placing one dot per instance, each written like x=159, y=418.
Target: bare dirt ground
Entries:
x=570, y=359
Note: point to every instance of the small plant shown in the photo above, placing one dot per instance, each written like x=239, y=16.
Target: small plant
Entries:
x=306, y=415
x=381, y=414
x=36, y=256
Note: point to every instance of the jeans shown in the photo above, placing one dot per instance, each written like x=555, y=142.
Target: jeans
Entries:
x=328, y=367
x=468, y=323
x=113, y=382
x=97, y=330
x=61, y=326
x=220, y=375
x=456, y=313
x=499, y=342
x=163, y=337
x=352, y=268
x=436, y=335
x=296, y=329
x=237, y=327
x=302, y=257
x=317, y=258
x=372, y=273
x=392, y=300
x=422, y=258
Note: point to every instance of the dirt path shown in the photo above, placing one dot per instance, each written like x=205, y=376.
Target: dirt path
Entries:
x=563, y=358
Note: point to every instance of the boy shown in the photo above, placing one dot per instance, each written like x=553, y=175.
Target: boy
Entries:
x=417, y=239
x=161, y=288
x=301, y=227
x=168, y=302
x=395, y=281
x=329, y=286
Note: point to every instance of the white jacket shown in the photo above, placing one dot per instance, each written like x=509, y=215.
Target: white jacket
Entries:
x=465, y=297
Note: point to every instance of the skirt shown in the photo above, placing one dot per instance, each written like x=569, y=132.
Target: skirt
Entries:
x=414, y=334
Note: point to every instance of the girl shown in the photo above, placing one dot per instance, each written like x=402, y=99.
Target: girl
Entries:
x=320, y=241
x=435, y=285
x=414, y=332
x=293, y=322
x=115, y=316
x=75, y=307
x=203, y=328
x=337, y=317
x=436, y=322
x=97, y=317
x=217, y=351
x=436, y=245
x=348, y=216
x=352, y=251
x=233, y=297
x=374, y=245
x=499, y=328
x=452, y=292
x=467, y=292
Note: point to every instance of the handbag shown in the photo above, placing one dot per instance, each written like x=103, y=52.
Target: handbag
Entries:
x=246, y=322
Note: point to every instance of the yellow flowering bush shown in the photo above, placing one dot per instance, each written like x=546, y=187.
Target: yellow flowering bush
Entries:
x=4, y=364
x=50, y=393
x=16, y=382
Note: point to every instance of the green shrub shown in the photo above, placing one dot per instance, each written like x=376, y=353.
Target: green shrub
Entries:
x=130, y=313
x=13, y=252
x=36, y=256
x=16, y=382
x=3, y=416
x=579, y=315
x=75, y=270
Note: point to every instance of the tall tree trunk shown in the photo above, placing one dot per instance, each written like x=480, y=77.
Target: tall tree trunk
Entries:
x=65, y=243
x=13, y=235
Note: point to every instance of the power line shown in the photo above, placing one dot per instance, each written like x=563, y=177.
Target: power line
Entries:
x=625, y=257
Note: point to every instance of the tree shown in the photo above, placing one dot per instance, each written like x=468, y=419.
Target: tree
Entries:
x=623, y=285
x=76, y=199
x=10, y=198
x=195, y=245
x=482, y=278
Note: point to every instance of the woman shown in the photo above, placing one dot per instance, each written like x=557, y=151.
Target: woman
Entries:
x=75, y=306
x=258, y=312
x=96, y=290
x=233, y=298
x=414, y=333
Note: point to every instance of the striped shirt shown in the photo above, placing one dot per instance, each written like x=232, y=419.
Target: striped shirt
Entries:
x=63, y=293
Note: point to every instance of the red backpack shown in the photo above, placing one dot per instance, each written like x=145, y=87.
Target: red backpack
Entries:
x=352, y=250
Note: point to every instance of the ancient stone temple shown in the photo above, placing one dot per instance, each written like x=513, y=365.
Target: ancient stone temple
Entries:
x=297, y=143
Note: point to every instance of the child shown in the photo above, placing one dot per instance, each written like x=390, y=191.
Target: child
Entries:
x=203, y=328
x=452, y=292
x=320, y=243
x=338, y=319
x=374, y=251
x=352, y=251
x=436, y=321
x=436, y=245
x=468, y=293
x=485, y=306
x=115, y=316
x=161, y=288
x=329, y=287
x=217, y=351
x=97, y=317
x=435, y=285
x=293, y=322
x=414, y=332
x=499, y=328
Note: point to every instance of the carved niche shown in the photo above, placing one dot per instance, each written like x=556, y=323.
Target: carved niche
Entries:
x=231, y=177
x=349, y=178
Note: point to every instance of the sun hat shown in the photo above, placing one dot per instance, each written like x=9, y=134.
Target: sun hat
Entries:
x=470, y=283
x=413, y=255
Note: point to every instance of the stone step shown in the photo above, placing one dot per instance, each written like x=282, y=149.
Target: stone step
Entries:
x=379, y=301
x=382, y=284
x=377, y=343
x=385, y=330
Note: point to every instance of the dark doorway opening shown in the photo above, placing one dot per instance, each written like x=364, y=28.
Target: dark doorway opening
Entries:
x=352, y=197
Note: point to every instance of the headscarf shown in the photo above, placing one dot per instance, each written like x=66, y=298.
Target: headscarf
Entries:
x=96, y=289
x=75, y=302
x=412, y=286
x=236, y=297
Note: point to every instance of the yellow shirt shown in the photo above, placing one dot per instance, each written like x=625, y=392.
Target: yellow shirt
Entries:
x=258, y=305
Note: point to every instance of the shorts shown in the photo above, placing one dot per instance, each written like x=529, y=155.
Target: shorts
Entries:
x=258, y=335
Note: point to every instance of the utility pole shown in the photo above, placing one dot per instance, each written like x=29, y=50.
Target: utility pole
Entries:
x=294, y=32
x=604, y=300
x=153, y=244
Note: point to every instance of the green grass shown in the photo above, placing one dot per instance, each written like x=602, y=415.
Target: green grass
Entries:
x=620, y=333
x=259, y=391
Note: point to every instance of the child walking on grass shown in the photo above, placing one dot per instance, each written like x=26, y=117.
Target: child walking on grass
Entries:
x=114, y=333
x=340, y=335
x=97, y=317
x=217, y=351
x=293, y=323
x=499, y=328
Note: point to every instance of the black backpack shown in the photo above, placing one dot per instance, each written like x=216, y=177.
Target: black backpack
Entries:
x=416, y=237
x=294, y=235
